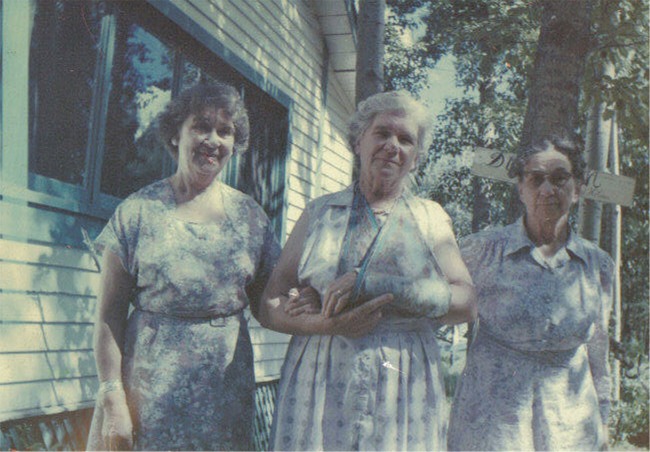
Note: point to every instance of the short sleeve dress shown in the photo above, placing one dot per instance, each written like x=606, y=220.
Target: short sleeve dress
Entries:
x=536, y=376
x=187, y=356
x=382, y=391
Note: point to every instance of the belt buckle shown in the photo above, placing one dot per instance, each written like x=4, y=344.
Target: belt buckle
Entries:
x=218, y=321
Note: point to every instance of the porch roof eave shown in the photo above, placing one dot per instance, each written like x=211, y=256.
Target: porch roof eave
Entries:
x=338, y=21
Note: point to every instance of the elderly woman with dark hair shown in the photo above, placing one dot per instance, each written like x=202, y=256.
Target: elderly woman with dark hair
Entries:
x=363, y=372
x=189, y=254
x=536, y=376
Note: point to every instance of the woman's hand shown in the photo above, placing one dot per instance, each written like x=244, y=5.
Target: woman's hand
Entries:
x=338, y=294
x=305, y=300
x=117, y=429
x=358, y=321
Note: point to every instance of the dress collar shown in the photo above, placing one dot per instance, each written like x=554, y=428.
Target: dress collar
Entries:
x=518, y=239
x=344, y=198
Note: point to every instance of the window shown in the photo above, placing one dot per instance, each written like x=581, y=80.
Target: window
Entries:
x=141, y=78
x=100, y=71
x=61, y=69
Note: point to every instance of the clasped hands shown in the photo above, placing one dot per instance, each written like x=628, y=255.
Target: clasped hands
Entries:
x=331, y=313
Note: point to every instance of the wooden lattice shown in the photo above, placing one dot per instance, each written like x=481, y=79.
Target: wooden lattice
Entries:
x=69, y=430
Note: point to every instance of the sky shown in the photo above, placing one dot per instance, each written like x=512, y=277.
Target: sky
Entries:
x=441, y=86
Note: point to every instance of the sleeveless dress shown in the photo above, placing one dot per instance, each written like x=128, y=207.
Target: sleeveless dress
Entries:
x=536, y=375
x=382, y=391
x=187, y=356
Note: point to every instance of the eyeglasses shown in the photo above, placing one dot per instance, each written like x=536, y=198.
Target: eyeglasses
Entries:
x=557, y=178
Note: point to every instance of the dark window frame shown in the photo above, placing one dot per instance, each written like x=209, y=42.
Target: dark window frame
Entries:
x=185, y=34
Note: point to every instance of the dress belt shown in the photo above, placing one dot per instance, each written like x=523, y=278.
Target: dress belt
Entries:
x=390, y=324
x=218, y=320
x=550, y=356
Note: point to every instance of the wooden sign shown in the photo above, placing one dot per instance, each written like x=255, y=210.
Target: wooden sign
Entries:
x=600, y=186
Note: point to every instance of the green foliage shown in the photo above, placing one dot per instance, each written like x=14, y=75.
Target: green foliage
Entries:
x=620, y=33
x=629, y=417
x=445, y=175
x=407, y=58
x=405, y=62
x=491, y=40
x=634, y=269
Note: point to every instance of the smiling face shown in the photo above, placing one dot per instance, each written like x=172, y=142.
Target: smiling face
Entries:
x=388, y=149
x=205, y=144
x=547, y=187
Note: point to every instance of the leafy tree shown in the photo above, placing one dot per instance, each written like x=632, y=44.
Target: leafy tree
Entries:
x=492, y=43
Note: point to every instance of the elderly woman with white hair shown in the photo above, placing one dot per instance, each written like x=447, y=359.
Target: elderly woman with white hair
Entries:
x=362, y=371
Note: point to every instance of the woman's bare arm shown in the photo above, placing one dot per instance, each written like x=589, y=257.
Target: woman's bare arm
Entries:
x=272, y=314
x=463, y=307
x=115, y=292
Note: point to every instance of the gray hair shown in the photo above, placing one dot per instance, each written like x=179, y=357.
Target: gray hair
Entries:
x=391, y=101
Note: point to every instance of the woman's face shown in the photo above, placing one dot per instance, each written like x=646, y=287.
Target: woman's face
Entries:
x=205, y=144
x=388, y=148
x=547, y=187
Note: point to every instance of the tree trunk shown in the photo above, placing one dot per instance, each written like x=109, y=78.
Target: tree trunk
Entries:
x=481, y=205
x=597, y=147
x=370, y=55
x=562, y=48
x=370, y=49
x=564, y=41
x=613, y=246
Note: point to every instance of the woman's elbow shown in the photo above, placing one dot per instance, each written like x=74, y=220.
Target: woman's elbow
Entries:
x=464, y=308
x=472, y=305
x=263, y=313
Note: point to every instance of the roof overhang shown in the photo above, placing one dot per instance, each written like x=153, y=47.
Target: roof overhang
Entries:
x=338, y=21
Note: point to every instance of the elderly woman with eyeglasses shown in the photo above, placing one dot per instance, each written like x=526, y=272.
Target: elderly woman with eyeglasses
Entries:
x=536, y=376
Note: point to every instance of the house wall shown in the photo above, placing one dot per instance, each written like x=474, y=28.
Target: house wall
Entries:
x=48, y=281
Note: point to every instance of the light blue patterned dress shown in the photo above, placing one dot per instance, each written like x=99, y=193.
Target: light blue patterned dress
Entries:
x=187, y=357
x=382, y=391
x=536, y=376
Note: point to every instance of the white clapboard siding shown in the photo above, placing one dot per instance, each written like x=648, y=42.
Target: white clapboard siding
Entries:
x=27, y=367
x=29, y=277
x=269, y=348
x=26, y=223
x=270, y=351
x=36, y=337
x=61, y=256
x=293, y=213
x=38, y=307
x=47, y=308
x=42, y=397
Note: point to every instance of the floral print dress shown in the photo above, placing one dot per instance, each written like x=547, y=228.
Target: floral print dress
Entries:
x=536, y=376
x=187, y=356
x=382, y=391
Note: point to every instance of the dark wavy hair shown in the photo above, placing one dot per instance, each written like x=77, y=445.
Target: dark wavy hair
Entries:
x=193, y=101
x=569, y=146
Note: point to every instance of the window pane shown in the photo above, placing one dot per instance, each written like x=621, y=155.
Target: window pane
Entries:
x=216, y=70
x=261, y=172
x=141, y=86
x=61, y=63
